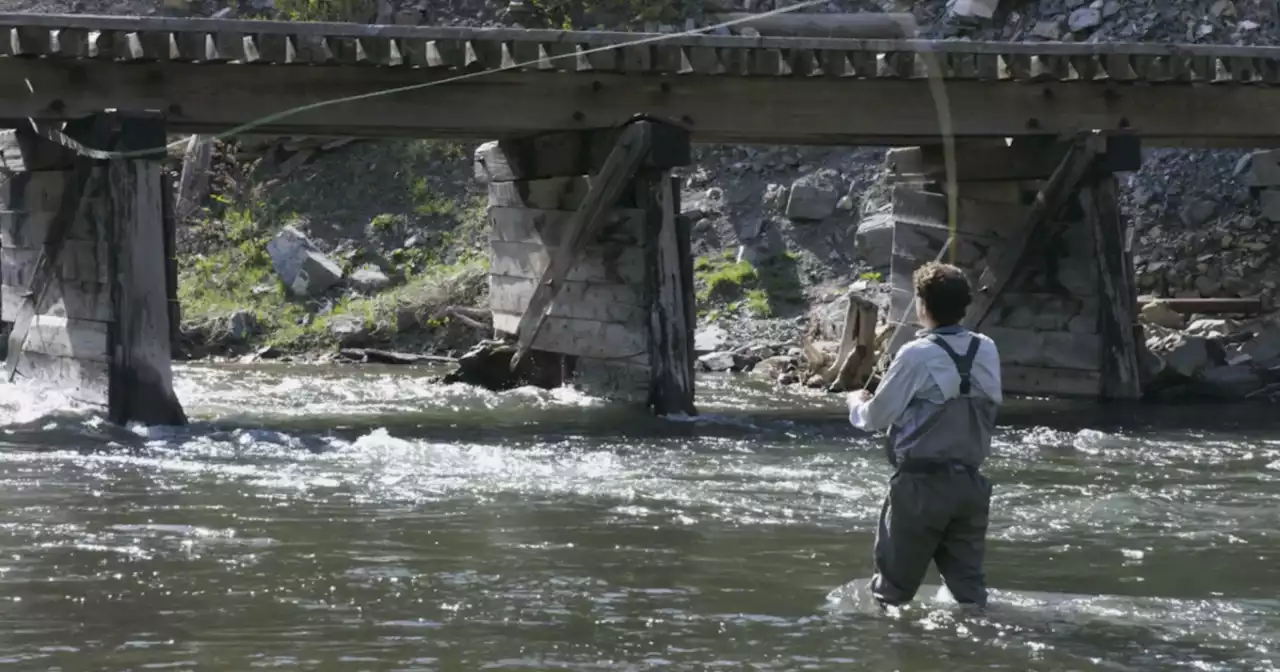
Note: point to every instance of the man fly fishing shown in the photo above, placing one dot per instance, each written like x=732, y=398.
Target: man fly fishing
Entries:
x=938, y=400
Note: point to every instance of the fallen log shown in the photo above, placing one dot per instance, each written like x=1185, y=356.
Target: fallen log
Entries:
x=372, y=356
x=1210, y=306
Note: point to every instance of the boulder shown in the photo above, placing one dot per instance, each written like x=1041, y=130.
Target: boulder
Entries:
x=347, y=329
x=368, y=279
x=1159, y=312
x=873, y=242
x=710, y=339
x=299, y=265
x=241, y=324
x=1229, y=381
x=1186, y=355
x=716, y=361
x=813, y=197
x=1085, y=18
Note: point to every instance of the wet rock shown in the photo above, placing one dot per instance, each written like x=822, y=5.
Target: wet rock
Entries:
x=488, y=365
x=710, y=339
x=813, y=197
x=369, y=279
x=716, y=361
x=299, y=265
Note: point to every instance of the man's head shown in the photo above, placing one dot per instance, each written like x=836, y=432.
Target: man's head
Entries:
x=942, y=294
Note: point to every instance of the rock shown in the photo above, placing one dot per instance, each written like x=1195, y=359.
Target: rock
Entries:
x=973, y=9
x=716, y=361
x=1159, y=312
x=1209, y=328
x=488, y=365
x=813, y=197
x=268, y=352
x=1265, y=167
x=1084, y=19
x=368, y=279
x=776, y=366
x=1187, y=355
x=302, y=268
x=873, y=241
x=1269, y=204
x=1264, y=347
x=1229, y=381
x=710, y=339
x=1048, y=30
x=347, y=329
x=1199, y=212
x=241, y=325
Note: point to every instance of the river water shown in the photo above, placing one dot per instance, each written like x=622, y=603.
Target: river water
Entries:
x=363, y=519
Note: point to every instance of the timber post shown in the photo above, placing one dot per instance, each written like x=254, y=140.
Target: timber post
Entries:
x=1039, y=232
x=590, y=259
x=87, y=281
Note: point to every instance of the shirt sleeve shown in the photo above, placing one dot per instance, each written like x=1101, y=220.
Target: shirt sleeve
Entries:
x=904, y=378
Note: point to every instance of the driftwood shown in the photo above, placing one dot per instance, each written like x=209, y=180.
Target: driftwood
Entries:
x=372, y=356
x=851, y=364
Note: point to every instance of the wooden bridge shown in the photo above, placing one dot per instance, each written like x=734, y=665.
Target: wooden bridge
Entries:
x=595, y=268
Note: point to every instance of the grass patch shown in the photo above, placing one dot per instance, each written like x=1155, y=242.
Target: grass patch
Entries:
x=725, y=285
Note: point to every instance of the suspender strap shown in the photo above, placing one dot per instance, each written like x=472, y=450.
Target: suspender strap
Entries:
x=964, y=365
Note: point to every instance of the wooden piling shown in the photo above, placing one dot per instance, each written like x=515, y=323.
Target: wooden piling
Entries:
x=596, y=268
x=85, y=269
x=1045, y=258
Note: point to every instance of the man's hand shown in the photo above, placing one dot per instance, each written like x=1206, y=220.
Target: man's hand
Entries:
x=859, y=397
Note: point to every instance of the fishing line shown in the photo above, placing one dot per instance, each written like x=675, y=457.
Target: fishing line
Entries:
x=63, y=139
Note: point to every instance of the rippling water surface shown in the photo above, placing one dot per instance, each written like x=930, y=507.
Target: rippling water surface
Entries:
x=341, y=519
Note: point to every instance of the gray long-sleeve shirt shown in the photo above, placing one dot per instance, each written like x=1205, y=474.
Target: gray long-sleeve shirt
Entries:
x=924, y=371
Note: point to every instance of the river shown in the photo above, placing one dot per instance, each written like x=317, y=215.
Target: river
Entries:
x=363, y=519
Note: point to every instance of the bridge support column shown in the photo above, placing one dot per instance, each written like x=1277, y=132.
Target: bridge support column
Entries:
x=590, y=259
x=1039, y=231
x=85, y=272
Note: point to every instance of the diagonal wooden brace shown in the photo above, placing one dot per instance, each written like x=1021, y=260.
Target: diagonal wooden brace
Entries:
x=624, y=160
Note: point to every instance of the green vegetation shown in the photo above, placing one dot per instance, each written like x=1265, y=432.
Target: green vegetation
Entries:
x=359, y=11
x=427, y=238
x=728, y=286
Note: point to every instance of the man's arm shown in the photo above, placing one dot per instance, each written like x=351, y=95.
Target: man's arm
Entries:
x=892, y=396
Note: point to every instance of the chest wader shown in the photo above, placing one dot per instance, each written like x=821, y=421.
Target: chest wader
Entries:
x=938, y=502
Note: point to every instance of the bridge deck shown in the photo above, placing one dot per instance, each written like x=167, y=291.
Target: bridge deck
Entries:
x=212, y=75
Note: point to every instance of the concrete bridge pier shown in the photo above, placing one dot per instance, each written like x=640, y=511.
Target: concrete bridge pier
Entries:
x=1039, y=229
x=87, y=271
x=589, y=258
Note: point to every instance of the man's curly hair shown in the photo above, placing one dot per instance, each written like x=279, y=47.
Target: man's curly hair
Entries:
x=944, y=291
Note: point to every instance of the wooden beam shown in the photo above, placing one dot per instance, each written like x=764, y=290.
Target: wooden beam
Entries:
x=669, y=293
x=212, y=97
x=1210, y=306
x=1049, y=202
x=72, y=212
x=862, y=25
x=622, y=163
x=1120, y=363
x=141, y=378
